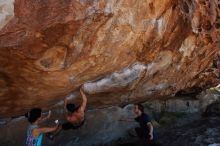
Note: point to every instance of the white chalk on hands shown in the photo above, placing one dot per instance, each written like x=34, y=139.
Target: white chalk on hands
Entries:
x=56, y=121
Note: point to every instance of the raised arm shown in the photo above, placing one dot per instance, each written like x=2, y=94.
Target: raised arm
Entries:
x=65, y=109
x=84, y=102
x=150, y=126
x=65, y=103
x=45, y=118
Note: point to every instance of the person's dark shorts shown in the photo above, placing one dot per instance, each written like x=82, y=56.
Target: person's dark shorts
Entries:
x=142, y=133
x=68, y=125
x=145, y=137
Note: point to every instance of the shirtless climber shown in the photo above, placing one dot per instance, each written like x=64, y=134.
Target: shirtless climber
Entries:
x=75, y=116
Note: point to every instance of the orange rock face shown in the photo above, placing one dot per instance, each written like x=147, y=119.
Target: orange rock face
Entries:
x=120, y=51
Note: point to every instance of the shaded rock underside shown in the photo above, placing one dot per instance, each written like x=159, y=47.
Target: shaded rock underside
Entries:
x=120, y=51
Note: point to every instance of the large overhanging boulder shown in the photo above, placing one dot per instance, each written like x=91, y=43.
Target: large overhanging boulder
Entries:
x=121, y=51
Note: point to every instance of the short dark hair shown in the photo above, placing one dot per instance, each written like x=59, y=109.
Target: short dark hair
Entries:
x=140, y=107
x=33, y=115
x=71, y=107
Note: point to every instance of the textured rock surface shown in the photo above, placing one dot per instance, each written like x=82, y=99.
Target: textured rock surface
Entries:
x=102, y=126
x=178, y=118
x=125, y=50
x=6, y=12
x=200, y=132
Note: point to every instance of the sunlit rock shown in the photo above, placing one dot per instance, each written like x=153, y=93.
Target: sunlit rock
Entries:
x=120, y=51
x=6, y=11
